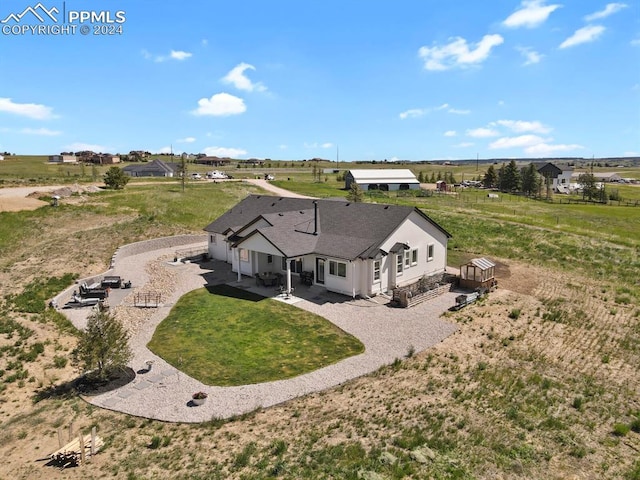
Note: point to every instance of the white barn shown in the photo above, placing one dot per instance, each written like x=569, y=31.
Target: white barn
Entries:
x=356, y=249
x=382, y=179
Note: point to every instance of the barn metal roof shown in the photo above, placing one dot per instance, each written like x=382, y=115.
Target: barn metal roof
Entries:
x=388, y=175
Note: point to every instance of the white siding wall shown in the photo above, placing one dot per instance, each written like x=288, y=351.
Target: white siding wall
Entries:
x=217, y=246
x=418, y=234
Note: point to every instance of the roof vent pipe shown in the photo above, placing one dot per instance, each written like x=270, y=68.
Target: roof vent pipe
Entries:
x=315, y=217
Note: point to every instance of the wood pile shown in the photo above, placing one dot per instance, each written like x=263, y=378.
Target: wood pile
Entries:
x=76, y=452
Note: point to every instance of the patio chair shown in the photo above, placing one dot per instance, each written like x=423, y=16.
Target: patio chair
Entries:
x=259, y=280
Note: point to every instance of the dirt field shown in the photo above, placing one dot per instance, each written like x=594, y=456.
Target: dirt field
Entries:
x=528, y=394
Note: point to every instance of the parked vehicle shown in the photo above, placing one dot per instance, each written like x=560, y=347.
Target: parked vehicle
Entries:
x=216, y=175
x=196, y=176
x=268, y=176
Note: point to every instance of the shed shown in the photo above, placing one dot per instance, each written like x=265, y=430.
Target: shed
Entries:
x=478, y=273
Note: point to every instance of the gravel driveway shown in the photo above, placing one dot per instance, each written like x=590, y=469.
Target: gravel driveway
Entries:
x=164, y=392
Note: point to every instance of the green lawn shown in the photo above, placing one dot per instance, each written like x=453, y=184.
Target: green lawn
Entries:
x=227, y=336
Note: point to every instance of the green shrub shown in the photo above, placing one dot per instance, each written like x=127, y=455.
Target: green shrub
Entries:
x=621, y=429
x=59, y=361
x=514, y=314
x=578, y=402
x=155, y=442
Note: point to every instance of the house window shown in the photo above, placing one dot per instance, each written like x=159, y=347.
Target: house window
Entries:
x=407, y=258
x=213, y=239
x=244, y=255
x=376, y=271
x=337, y=269
x=430, y=249
x=414, y=257
x=399, y=258
x=269, y=258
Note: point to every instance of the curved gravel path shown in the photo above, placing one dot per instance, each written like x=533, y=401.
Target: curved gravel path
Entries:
x=164, y=392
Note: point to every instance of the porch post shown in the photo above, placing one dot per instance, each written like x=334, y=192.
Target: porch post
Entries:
x=288, y=276
x=239, y=268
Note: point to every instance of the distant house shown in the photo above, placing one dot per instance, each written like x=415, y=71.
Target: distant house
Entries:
x=1, y=157
x=559, y=177
x=213, y=161
x=382, y=179
x=156, y=168
x=350, y=248
x=104, y=159
x=63, y=159
x=604, y=177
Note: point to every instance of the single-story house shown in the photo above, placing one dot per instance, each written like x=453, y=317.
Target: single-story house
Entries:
x=558, y=176
x=63, y=159
x=385, y=179
x=156, y=168
x=356, y=249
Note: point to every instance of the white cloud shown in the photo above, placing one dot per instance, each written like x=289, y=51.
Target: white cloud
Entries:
x=173, y=55
x=31, y=110
x=220, y=105
x=521, y=141
x=283, y=146
x=186, y=140
x=41, y=131
x=413, y=113
x=450, y=133
x=464, y=145
x=457, y=111
x=79, y=147
x=457, y=53
x=635, y=42
x=238, y=79
x=531, y=56
x=318, y=145
x=532, y=13
x=224, y=152
x=419, y=112
x=521, y=126
x=204, y=42
x=610, y=9
x=583, y=35
x=180, y=55
x=482, y=133
x=544, y=149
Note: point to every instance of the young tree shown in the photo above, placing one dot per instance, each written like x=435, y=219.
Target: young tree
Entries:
x=421, y=177
x=432, y=178
x=530, y=180
x=115, y=178
x=182, y=171
x=589, y=187
x=490, y=179
x=355, y=194
x=509, y=177
x=103, y=346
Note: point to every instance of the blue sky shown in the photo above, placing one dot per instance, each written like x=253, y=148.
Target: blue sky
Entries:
x=282, y=79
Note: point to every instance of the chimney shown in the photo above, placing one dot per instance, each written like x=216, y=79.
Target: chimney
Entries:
x=315, y=217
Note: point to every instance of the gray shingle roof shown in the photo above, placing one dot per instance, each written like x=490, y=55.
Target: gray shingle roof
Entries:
x=345, y=229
